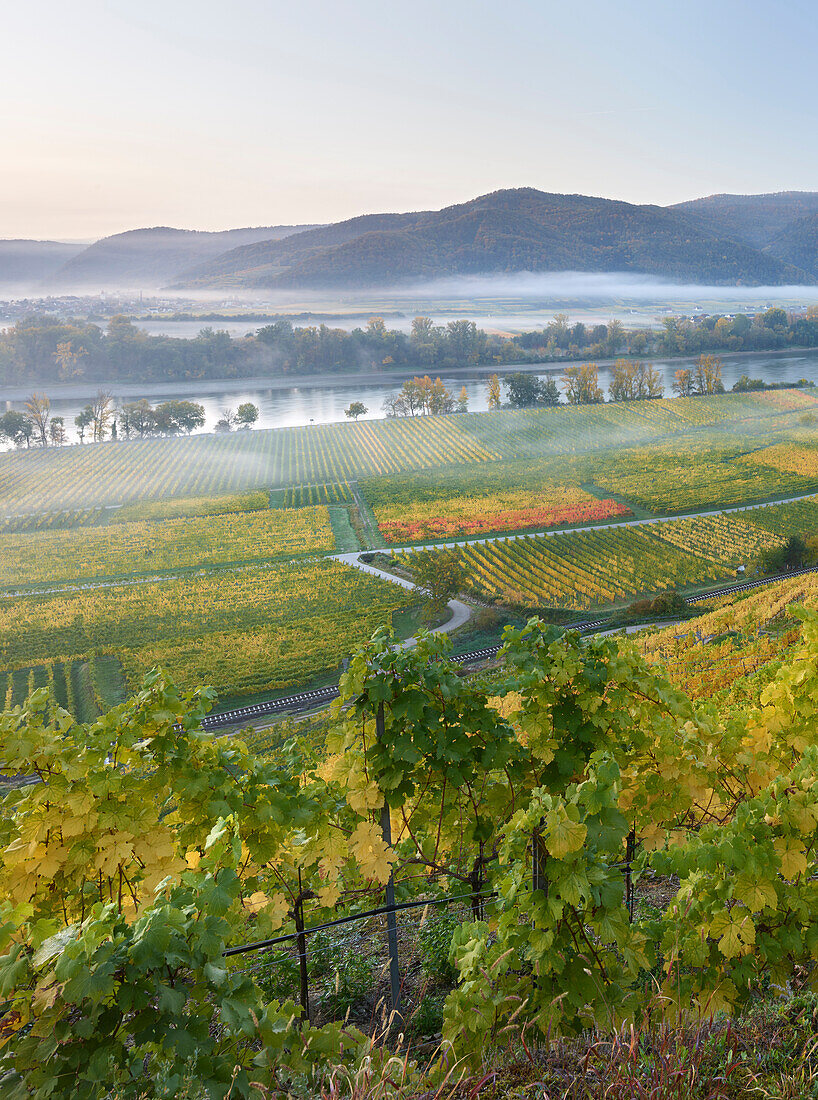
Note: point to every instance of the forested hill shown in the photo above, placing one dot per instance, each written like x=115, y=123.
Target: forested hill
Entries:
x=798, y=244
x=752, y=219
x=150, y=258
x=507, y=231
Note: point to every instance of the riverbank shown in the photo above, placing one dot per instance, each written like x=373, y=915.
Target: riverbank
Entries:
x=393, y=378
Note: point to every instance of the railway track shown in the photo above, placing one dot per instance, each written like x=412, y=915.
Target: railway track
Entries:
x=307, y=700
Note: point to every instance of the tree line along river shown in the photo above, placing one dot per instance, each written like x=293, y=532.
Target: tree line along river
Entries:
x=287, y=402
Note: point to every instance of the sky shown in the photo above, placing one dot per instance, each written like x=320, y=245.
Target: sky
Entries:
x=204, y=114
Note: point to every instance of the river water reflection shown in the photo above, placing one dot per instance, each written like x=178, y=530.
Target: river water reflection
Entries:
x=303, y=401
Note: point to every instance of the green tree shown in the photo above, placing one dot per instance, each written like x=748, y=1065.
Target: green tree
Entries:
x=356, y=409
x=84, y=419
x=440, y=575
x=247, y=414
x=774, y=317
x=137, y=418
x=794, y=554
x=174, y=417
x=16, y=428
x=524, y=389
x=549, y=392
x=56, y=430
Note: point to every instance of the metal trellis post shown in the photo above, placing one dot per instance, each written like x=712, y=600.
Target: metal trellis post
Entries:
x=391, y=923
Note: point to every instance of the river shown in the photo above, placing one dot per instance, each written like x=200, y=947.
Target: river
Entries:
x=285, y=402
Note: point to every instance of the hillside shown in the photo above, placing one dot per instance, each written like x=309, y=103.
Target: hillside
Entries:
x=263, y=260
x=147, y=258
x=753, y=219
x=507, y=231
x=25, y=264
x=798, y=244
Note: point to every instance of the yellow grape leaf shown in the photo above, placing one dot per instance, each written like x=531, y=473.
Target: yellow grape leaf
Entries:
x=721, y=999
x=48, y=860
x=793, y=857
x=735, y=932
x=193, y=859
x=368, y=796
x=328, y=895
x=45, y=995
x=755, y=894
x=651, y=837
x=330, y=767
x=74, y=826
x=373, y=857
x=256, y=902
x=276, y=907
x=803, y=817
x=565, y=833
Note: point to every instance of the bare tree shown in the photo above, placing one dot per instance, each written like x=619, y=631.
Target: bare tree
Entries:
x=38, y=408
x=227, y=421
x=102, y=412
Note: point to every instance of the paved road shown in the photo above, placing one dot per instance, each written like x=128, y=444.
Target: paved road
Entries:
x=461, y=612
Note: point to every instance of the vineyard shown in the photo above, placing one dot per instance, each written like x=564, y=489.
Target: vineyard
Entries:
x=114, y=473
x=503, y=511
x=637, y=866
x=736, y=645
x=301, y=496
x=787, y=457
x=243, y=631
x=669, y=482
x=53, y=521
x=730, y=540
x=139, y=547
x=583, y=569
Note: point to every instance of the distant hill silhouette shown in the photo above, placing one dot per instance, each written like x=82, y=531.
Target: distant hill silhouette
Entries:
x=25, y=264
x=517, y=230
x=753, y=219
x=149, y=258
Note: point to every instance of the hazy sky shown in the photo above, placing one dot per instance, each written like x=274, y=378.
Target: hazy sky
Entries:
x=218, y=113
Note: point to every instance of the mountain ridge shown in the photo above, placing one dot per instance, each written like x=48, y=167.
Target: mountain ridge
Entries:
x=723, y=239
x=512, y=230
x=155, y=255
